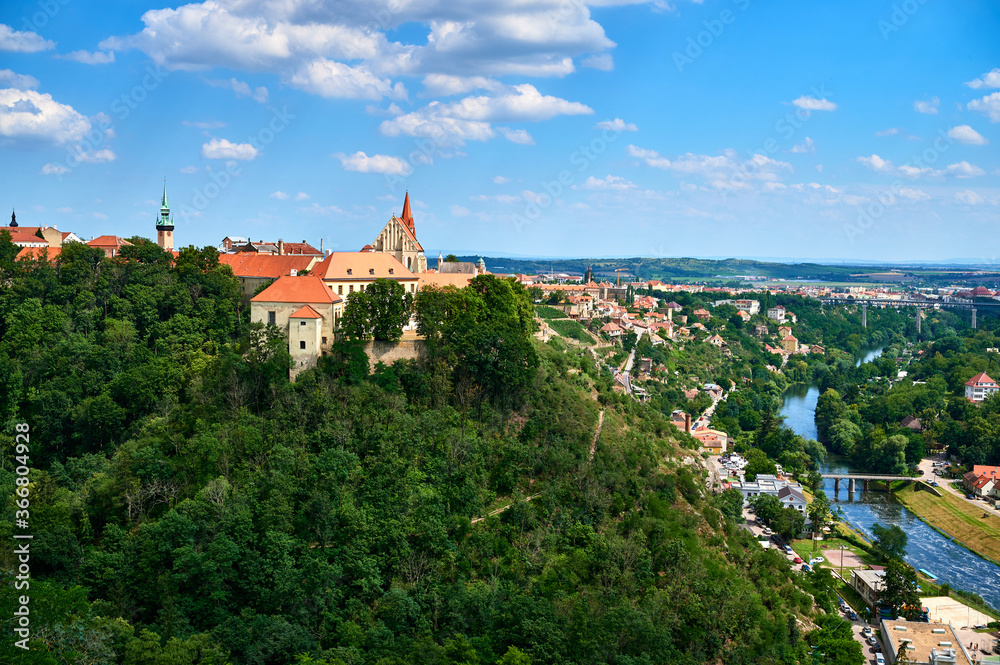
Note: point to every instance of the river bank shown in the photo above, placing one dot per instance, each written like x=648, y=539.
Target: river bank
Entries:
x=969, y=525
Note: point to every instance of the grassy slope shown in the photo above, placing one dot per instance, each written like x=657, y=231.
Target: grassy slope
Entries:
x=573, y=330
x=961, y=520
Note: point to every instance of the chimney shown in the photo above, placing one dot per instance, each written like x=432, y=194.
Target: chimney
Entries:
x=687, y=423
x=281, y=247
x=320, y=245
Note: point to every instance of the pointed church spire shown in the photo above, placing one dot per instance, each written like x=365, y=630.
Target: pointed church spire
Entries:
x=407, y=216
x=13, y=219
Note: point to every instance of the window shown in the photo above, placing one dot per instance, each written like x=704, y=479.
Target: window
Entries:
x=324, y=340
x=390, y=271
x=270, y=318
x=302, y=344
x=351, y=289
x=349, y=272
x=413, y=287
x=340, y=289
x=361, y=287
x=371, y=271
x=302, y=323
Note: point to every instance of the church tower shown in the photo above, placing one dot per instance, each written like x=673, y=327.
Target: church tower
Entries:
x=13, y=219
x=164, y=224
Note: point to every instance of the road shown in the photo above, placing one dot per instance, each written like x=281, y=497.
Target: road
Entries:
x=944, y=484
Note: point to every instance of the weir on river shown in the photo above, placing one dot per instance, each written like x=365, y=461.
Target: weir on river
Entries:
x=925, y=548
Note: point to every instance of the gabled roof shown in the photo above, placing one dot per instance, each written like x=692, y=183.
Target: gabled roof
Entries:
x=979, y=379
x=250, y=264
x=439, y=280
x=109, y=241
x=303, y=289
x=38, y=252
x=363, y=266
x=306, y=312
x=26, y=239
x=300, y=248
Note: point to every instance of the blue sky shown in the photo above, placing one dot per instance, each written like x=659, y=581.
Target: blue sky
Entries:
x=863, y=130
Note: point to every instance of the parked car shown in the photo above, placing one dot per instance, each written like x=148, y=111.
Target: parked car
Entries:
x=797, y=559
x=879, y=659
x=866, y=631
x=806, y=568
x=935, y=484
x=817, y=559
x=852, y=615
x=970, y=496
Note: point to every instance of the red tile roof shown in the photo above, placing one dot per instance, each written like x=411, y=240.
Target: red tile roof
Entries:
x=300, y=248
x=979, y=379
x=304, y=289
x=251, y=264
x=306, y=312
x=363, y=266
x=108, y=241
x=22, y=238
x=38, y=252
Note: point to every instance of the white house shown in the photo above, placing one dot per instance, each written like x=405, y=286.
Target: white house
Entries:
x=980, y=387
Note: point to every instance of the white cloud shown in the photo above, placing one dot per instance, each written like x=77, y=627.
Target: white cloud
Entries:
x=520, y=136
x=725, y=171
x=988, y=105
x=31, y=115
x=445, y=85
x=224, y=149
x=964, y=169
x=499, y=198
x=362, y=163
x=54, y=169
x=613, y=182
x=967, y=135
x=329, y=78
x=616, y=125
x=813, y=104
x=189, y=169
x=929, y=107
x=969, y=197
x=95, y=157
x=990, y=79
x=914, y=194
x=876, y=163
x=88, y=58
x=651, y=157
x=212, y=124
x=19, y=81
x=99, y=215
x=64, y=210
x=500, y=179
x=892, y=131
x=241, y=88
x=280, y=195
x=819, y=167
x=22, y=42
x=301, y=196
x=602, y=61
x=518, y=103
x=459, y=211
x=805, y=146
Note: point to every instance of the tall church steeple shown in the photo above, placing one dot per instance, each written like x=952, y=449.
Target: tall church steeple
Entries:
x=407, y=216
x=13, y=219
x=164, y=223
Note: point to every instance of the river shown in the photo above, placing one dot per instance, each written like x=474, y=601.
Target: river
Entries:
x=925, y=547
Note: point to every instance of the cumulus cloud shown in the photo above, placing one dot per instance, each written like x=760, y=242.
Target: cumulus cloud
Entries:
x=89, y=58
x=876, y=163
x=54, y=169
x=189, y=169
x=961, y=169
x=969, y=197
x=650, y=157
x=805, y=146
x=362, y=163
x=445, y=85
x=914, y=194
x=929, y=107
x=725, y=171
x=301, y=196
x=892, y=131
x=241, y=88
x=988, y=106
x=612, y=182
x=31, y=115
x=459, y=211
x=616, y=125
x=500, y=179
x=22, y=42
x=990, y=79
x=329, y=78
x=812, y=104
x=11, y=79
x=967, y=135
x=964, y=169
x=224, y=149
x=212, y=124
x=280, y=195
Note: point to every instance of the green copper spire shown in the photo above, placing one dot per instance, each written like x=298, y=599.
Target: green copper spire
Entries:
x=164, y=219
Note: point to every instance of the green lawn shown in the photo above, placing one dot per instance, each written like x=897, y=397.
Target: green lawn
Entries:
x=549, y=312
x=573, y=330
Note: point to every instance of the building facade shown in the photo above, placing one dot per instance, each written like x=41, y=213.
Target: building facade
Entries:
x=980, y=387
x=399, y=239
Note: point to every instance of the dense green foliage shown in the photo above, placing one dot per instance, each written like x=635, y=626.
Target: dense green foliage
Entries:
x=379, y=312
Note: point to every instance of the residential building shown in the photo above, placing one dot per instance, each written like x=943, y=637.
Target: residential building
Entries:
x=789, y=343
x=769, y=484
x=980, y=387
x=792, y=497
x=751, y=307
x=399, y=239
x=612, y=329
x=112, y=245
x=912, y=423
x=983, y=481
x=713, y=440
x=923, y=643
x=776, y=314
x=703, y=314
x=253, y=269
x=869, y=584
x=304, y=308
x=347, y=272
x=715, y=340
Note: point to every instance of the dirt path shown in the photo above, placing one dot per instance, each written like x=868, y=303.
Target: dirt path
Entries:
x=597, y=434
x=502, y=509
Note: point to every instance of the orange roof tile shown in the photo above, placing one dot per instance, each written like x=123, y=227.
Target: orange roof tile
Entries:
x=304, y=289
x=979, y=378
x=441, y=279
x=306, y=312
x=25, y=238
x=362, y=266
x=108, y=241
x=251, y=264
x=39, y=252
